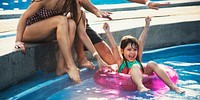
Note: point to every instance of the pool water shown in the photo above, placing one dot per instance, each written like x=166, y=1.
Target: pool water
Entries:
x=23, y=4
x=185, y=59
x=102, y=2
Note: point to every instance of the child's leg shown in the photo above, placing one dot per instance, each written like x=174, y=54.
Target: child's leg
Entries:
x=153, y=67
x=81, y=59
x=136, y=76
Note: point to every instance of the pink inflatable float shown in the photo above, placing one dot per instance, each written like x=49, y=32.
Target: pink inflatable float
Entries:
x=120, y=81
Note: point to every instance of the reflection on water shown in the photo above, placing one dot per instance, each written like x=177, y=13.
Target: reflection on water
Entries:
x=187, y=65
x=95, y=92
x=175, y=63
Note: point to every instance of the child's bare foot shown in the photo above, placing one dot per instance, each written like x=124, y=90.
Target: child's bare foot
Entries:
x=143, y=89
x=178, y=90
x=61, y=71
x=74, y=75
x=86, y=63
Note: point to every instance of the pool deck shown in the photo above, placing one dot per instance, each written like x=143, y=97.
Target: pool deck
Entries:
x=178, y=23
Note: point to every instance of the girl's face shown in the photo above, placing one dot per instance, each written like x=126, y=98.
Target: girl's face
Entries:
x=130, y=52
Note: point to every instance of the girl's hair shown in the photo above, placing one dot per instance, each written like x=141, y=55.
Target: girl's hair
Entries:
x=129, y=39
x=134, y=42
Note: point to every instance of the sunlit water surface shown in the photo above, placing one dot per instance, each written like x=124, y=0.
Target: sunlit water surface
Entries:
x=185, y=60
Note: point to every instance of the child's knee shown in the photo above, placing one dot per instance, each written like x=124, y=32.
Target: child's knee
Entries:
x=135, y=69
x=135, y=66
x=152, y=64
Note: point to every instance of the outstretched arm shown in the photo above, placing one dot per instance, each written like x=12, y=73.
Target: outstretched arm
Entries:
x=151, y=5
x=143, y=36
x=89, y=6
x=113, y=44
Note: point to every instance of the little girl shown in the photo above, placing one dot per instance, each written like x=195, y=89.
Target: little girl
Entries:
x=129, y=58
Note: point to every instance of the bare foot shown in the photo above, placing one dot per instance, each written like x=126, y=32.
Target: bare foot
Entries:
x=86, y=63
x=178, y=90
x=61, y=71
x=143, y=89
x=74, y=75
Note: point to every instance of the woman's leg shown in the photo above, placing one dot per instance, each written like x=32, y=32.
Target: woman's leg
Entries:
x=40, y=31
x=81, y=31
x=102, y=48
x=61, y=69
x=105, y=52
x=65, y=47
x=81, y=59
x=136, y=76
x=81, y=38
x=153, y=67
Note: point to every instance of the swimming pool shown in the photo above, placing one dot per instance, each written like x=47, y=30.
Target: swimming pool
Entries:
x=184, y=59
x=23, y=4
x=102, y=2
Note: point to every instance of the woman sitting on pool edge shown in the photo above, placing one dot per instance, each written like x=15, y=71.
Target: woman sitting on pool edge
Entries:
x=129, y=58
x=50, y=20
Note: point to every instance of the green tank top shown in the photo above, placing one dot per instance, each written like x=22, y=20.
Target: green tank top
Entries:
x=130, y=64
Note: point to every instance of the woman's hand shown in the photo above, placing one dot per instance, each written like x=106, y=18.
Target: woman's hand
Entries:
x=114, y=67
x=101, y=64
x=154, y=5
x=101, y=14
x=20, y=45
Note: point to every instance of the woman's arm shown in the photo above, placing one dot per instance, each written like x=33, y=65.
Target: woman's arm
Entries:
x=151, y=5
x=113, y=44
x=89, y=6
x=33, y=8
x=143, y=36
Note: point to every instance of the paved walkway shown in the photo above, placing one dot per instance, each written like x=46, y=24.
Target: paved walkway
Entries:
x=125, y=16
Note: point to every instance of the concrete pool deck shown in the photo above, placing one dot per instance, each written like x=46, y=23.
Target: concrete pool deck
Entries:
x=176, y=24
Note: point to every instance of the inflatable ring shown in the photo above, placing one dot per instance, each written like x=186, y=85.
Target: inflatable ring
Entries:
x=114, y=80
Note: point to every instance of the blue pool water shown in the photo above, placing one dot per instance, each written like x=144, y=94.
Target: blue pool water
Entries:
x=23, y=4
x=102, y=2
x=184, y=59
